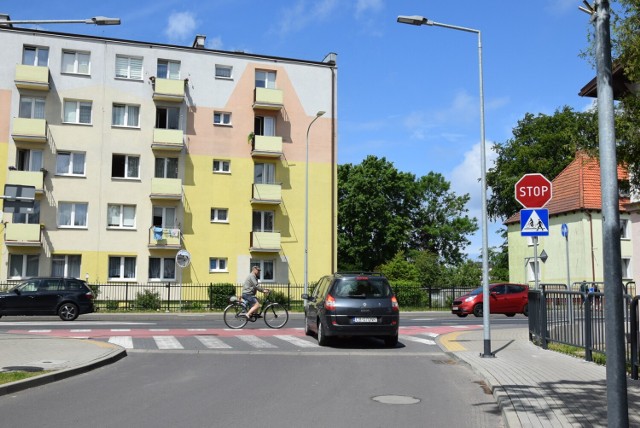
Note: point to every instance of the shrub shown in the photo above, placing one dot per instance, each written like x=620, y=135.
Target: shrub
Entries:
x=410, y=294
x=192, y=306
x=279, y=297
x=149, y=300
x=219, y=295
x=112, y=305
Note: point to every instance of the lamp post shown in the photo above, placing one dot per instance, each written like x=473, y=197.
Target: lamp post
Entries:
x=97, y=20
x=420, y=20
x=306, y=210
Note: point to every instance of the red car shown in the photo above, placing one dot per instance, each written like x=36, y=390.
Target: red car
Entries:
x=508, y=299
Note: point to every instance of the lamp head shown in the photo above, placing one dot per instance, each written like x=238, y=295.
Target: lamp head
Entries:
x=320, y=113
x=413, y=20
x=103, y=20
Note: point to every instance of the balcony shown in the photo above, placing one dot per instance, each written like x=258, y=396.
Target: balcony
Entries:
x=267, y=242
x=266, y=146
x=162, y=238
x=22, y=235
x=32, y=77
x=29, y=130
x=168, y=90
x=266, y=193
x=27, y=178
x=168, y=189
x=268, y=99
x=168, y=139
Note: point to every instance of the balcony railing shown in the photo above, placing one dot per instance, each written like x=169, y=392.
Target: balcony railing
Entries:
x=168, y=139
x=168, y=90
x=268, y=99
x=27, y=178
x=22, y=235
x=265, y=241
x=267, y=193
x=166, y=188
x=266, y=146
x=164, y=238
x=32, y=77
x=29, y=130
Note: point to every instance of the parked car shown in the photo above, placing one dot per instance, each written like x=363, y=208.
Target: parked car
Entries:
x=508, y=299
x=65, y=297
x=352, y=304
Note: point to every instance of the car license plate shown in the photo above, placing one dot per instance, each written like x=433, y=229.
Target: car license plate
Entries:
x=454, y=308
x=364, y=319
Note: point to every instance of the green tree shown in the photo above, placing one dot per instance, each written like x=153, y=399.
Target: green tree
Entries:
x=465, y=274
x=399, y=268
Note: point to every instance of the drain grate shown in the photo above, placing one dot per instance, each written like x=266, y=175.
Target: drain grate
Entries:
x=396, y=399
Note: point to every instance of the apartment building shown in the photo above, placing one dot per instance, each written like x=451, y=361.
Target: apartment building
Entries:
x=138, y=150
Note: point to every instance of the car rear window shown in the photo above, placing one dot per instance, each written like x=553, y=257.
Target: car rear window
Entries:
x=362, y=287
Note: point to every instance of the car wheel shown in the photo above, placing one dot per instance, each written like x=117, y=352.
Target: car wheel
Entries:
x=391, y=341
x=322, y=339
x=462, y=315
x=510, y=315
x=525, y=311
x=307, y=330
x=477, y=310
x=68, y=311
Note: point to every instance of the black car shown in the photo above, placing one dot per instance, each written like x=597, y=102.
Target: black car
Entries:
x=352, y=304
x=65, y=297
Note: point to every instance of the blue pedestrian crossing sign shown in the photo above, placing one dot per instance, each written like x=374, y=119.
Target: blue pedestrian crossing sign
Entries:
x=534, y=222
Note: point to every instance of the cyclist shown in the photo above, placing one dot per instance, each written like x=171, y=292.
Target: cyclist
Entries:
x=249, y=289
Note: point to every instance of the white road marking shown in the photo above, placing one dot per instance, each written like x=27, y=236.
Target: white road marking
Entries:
x=124, y=341
x=212, y=342
x=256, y=342
x=417, y=339
x=297, y=341
x=167, y=342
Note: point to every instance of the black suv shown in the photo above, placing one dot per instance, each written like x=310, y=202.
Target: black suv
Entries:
x=65, y=297
x=352, y=304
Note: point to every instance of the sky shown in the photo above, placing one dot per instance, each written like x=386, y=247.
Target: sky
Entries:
x=406, y=93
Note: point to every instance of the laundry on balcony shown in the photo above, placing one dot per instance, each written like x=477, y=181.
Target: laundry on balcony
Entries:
x=174, y=233
x=157, y=233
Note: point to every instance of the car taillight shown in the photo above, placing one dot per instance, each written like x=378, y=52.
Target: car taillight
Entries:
x=330, y=303
x=394, y=304
x=89, y=295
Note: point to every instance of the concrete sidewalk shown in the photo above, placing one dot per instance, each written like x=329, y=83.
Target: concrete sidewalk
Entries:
x=536, y=387
x=59, y=357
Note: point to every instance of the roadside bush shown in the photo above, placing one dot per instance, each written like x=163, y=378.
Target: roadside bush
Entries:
x=219, y=295
x=112, y=305
x=279, y=297
x=410, y=294
x=192, y=306
x=148, y=300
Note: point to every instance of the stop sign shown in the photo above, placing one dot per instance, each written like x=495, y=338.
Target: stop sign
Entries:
x=533, y=191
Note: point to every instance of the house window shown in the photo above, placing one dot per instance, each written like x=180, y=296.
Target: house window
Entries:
x=31, y=108
x=168, y=69
x=217, y=264
x=221, y=118
x=624, y=229
x=219, y=215
x=72, y=214
x=164, y=217
x=70, y=163
x=264, y=173
x=128, y=67
x=166, y=168
x=125, y=115
x=531, y=271
x=23, y=265
x=121, y=216
x=29, y=160
x=223, y=71
x=626, y=268
x=266, y=269
x=122, y=267
x=264, y=125
x=168, y=118
x=74, y=62
x=162, y=268
x=125, y=166
x=77, y=112
x=263, y=221
x=221, y=165
x=35, y=55
x=265, y=79
x=65, y=265
x=28, y=218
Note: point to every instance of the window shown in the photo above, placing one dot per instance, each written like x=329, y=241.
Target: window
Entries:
x=217, y=264
x=23, y=265
x=265, y=79
x=162, y=268
x=263, y=221
x=65, y=265
x=221, y=165
x=168, y=69
x=35, y=55
x=125, y=166
x=121, y=216
x=168, y=118
x=264, y=173
x=264, y=125
x=266, y=269
x=624, y=229
x=76, y=62
x=166, y=168
x=70, y=163
x=122, y=267
x=28, y=218
x=29, y=160
x=164, y=217
x=531, y=271
x=626, y=268
x=220, y=118
x=72, y=214
x=223, y=71
x=31, y=108
x=125, y=115
x=128, y=67
x=219, y=215
x=77, y=112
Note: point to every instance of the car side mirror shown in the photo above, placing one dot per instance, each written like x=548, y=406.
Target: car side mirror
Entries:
x=17, y=291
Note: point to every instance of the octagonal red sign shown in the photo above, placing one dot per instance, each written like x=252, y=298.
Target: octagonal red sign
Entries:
x=533, y=191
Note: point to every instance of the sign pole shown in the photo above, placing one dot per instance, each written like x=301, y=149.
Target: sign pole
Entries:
x=535, y=263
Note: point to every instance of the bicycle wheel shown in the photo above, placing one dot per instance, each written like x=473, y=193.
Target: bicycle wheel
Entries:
x=234, y=317
x=275, y=315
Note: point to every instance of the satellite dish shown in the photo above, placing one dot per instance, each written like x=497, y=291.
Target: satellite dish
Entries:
x=183, y=258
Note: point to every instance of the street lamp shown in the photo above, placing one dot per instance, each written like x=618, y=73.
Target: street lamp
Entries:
x=306, y=210
x=97, y=20
x=421, y=20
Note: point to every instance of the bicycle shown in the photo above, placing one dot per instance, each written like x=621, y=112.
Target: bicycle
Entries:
x=274, y=314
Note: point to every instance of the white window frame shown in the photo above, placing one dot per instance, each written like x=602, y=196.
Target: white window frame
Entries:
x=77, y=63
x=75, y=159
x=171, y=69
x=224, y=72
x=222, y=118
x=222, y=166
x=265, y=270
x=131, y=111
x=74, y=223
x=264, y=173
x=64, y=259
x=626, y=268
x=164, y=261
x=36, y=107
x=26, y=265
x=77, y=106
x=168, y=110
x=530, y=271
x=123, y=213
x=168, y=218
x=624, y=228
x=121, y=276
x=166, y=167
x=37, y=59
x=264, y=221
x=129, y=71
x=217, y=217
x=218, y=264
x=29, y=159
x=126, y=173
x=266, y=79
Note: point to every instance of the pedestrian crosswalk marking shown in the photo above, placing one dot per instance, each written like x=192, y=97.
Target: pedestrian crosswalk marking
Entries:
x=212, y=342
x=256, y=342
x=124, y=341
x=167, y=342
x=298, y=341
x=418, y=340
